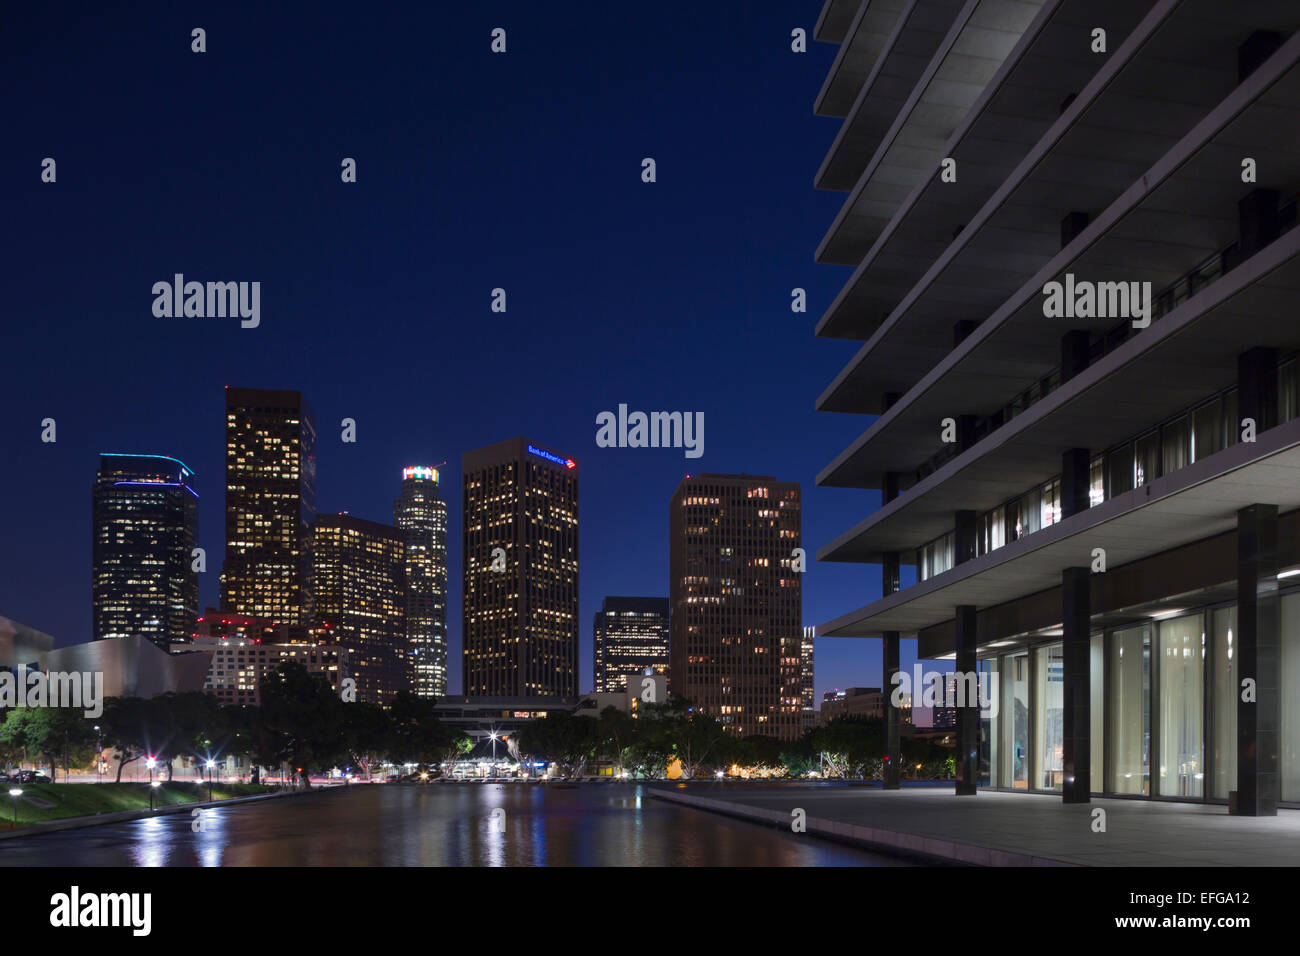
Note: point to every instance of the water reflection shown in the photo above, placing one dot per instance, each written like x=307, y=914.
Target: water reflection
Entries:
x=439, y=825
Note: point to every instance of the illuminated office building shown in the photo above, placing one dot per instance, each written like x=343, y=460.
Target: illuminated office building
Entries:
x=629, y=635
x=736, y=602
x=420, y=515
x=270, y=504
x=1072, y=297
x=807, y=680
x=521, y=619
x=145, y=517
x=359, y=577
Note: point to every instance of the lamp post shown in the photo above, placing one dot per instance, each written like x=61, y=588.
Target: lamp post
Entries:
x=150, y=764
x=154, y=785
x=14, y=794
x=211, y=764
x=99, y=756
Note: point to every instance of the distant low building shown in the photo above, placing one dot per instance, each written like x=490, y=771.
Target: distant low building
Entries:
x=239, y=666
x=132, y=666
x=854, y=702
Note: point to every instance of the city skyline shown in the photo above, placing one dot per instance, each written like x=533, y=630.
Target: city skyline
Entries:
x=597, y=266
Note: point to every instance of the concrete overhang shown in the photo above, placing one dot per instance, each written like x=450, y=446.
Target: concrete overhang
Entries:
x=979, y=39
x=869, y=36
x=1191, y=353
x=1101, y=143
x=1017, y=107
x=834, y=20
x=1195, y=502
x=1181, y=212
x=870, y=95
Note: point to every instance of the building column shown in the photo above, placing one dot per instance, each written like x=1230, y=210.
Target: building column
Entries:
x=890, y=583
x=893, y=715
x=1076, y=481
x=1074, y=354
x=968, y=713
x=965, y=532
x=1076, y=729
x=1259, y=658
x=1257, y=389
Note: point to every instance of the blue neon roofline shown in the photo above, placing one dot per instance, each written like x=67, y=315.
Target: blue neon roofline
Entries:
x=114, y=454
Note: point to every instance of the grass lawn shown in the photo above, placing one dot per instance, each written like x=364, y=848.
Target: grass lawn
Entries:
x=87, y=799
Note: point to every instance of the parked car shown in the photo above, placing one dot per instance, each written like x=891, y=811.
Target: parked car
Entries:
x=31, y=776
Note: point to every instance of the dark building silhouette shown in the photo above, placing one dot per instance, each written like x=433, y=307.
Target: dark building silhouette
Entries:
x=629, y=634
x=145, y=517
x=735, y=601
x=520, y=621
x=359, y=578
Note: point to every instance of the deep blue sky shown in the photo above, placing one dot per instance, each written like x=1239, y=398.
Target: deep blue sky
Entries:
x=475, y=171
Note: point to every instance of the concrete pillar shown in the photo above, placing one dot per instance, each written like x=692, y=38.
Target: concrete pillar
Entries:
x=962, y=329
x=1076, y=730
x=1074, y=353
x=1075, y=481
x=968, y=717
x=1259, y=658
x=1071, y=225
x=963, y=544
x=1257, y=388
x=893, y=715
x=1257, y=48
x=889, y=487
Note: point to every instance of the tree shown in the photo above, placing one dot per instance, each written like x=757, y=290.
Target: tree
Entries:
x=301, y=719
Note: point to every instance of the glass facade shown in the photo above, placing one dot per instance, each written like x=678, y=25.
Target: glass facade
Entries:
x=1163, y=709
x=1182, y=696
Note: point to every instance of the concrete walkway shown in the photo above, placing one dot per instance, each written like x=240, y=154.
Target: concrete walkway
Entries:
x=1012, y=829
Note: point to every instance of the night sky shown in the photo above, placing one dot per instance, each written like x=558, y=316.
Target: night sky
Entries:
x=475, y=171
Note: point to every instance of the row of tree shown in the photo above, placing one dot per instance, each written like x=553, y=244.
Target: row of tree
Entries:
x=674, y=733
x=301, y=723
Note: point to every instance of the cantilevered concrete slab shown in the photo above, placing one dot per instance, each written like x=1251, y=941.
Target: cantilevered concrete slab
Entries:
x=880, y=87
x=869, y=35
x=1194, y=502
x=1182, y=211
x=834, y=20
x=981, y=36
x=1180, y=360
x=1103, y=141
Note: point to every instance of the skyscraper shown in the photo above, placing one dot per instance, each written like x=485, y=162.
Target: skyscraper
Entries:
x=146, y=526
x=359, y=576
x=629, y=635
x=807, y=681
x=420, y=515
x=736, y=601
x=270, y=504
x=521, y=571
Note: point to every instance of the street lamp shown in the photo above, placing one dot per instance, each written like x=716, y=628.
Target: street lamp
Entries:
x=14, y=794
x=153, y=785
x=150, y=762
x=99, y=756
x=211, y=764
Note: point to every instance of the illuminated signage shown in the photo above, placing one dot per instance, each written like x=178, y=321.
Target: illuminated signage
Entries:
x=554, y=459
x=429, y=474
